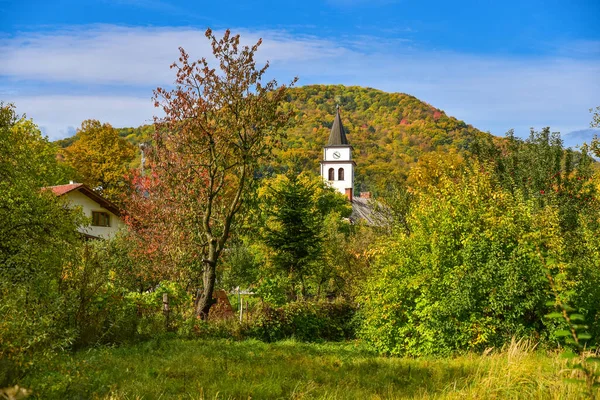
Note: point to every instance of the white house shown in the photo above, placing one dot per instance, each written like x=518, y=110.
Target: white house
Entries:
x=105, y=217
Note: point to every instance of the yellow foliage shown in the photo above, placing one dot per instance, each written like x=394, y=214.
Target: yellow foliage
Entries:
x=100, y=158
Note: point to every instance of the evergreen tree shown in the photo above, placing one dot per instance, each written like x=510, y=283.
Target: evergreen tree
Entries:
x=293, y=229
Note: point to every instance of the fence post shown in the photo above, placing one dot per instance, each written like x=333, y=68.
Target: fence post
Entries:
x=166, y=310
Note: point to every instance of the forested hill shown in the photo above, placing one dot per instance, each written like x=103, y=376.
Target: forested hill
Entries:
x=388, y=131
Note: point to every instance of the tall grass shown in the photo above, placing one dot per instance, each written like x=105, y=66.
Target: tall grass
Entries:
x=222, y=369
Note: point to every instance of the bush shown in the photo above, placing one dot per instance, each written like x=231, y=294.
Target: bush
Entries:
x=467, y=277
x=304, y=321
x=106, y=310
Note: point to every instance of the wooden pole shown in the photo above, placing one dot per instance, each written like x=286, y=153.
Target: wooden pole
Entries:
x=166, y=310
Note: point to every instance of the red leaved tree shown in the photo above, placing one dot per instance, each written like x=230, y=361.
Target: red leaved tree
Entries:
x=219, y=124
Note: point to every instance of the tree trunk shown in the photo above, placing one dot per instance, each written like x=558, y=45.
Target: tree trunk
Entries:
x=206, y=300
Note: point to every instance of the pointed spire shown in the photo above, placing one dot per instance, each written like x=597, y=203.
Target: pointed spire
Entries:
x=337, y=137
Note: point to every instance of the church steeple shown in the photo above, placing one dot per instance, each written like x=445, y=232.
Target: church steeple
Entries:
x=337, y=137
x=337, y=167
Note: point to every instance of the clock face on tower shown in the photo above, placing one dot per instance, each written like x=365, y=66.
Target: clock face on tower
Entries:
x=336, y=154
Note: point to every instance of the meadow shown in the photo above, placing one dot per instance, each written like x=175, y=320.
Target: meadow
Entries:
x=225, y=369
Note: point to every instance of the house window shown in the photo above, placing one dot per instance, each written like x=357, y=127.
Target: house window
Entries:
x=331, y=174
x=341, y=174
x=100, y=218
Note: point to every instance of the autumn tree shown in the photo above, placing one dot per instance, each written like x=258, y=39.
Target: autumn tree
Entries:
x=100, y=158
x=218, y=125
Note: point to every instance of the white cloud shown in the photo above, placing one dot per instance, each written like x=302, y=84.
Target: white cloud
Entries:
x=134, y=56
x=59, y=115
x=491, y=92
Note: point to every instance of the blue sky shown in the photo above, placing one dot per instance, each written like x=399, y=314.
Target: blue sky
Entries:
x=494, y=64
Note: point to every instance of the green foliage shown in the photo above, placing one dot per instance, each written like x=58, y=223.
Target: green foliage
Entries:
x=467, y=276
x=240, y=266
x=541, y=170
x=295, y=212
x=37, y=234
x=292, y=229
x=576, y=337
x=273, y=290
x=304, y=321
x=106, y=310
x=466, y=272
x=550, y=177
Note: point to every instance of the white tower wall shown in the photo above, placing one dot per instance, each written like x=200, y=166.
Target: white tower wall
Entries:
x=341, y=162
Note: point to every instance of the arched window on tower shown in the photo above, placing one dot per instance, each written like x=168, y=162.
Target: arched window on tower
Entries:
x=331, y=174
x=341, y=174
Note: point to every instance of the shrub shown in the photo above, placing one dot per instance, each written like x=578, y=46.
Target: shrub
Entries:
x=106, y=311
x=304, y=321
x=467, y=277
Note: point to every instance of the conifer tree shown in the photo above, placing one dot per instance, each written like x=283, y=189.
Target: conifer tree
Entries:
x=293, y=229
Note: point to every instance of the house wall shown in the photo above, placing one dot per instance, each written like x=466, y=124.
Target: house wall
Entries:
x=88, y=205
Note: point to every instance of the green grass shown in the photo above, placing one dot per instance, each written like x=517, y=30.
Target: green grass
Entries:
x=210, y=369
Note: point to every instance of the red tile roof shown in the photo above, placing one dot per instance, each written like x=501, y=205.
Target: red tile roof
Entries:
x=62, y=189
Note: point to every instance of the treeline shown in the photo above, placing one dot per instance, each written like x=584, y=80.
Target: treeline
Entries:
x=389, y=132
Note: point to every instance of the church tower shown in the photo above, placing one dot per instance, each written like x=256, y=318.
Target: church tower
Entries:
x=337, y=167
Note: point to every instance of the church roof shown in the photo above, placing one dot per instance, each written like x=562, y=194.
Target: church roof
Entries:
x=370, y=211
x=337, y=137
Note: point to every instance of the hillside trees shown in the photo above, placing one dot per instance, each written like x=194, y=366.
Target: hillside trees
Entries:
x=100, y=158
x=219, y=124
x=389, y=132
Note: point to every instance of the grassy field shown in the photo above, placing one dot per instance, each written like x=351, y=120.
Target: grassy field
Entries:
x=221, y=369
